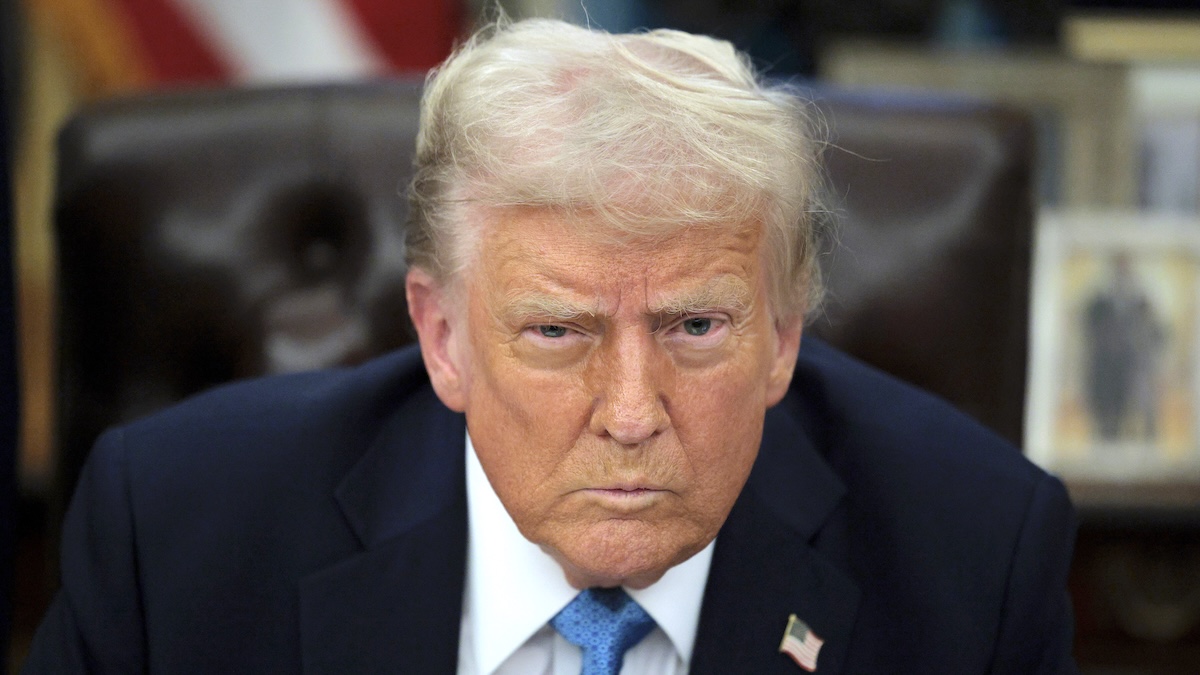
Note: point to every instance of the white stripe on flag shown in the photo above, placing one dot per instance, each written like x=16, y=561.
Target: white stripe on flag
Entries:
x=805, y=653
x=800, y=643
x=285, y=40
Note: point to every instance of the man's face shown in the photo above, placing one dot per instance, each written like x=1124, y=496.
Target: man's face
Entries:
x=614, y=392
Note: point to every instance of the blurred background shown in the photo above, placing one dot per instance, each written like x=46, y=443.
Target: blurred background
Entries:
x=1113, y=87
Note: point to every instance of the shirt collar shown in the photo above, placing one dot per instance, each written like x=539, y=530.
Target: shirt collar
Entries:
x=505, y=615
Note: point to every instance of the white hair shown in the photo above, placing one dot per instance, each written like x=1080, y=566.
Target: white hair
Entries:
x=649, y=131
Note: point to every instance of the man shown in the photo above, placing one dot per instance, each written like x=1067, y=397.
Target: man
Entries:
x=610, y=451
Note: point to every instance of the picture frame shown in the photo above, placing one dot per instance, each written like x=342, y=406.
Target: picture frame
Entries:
x=1166, y=114
x=1082, y=110
x=1114, y=368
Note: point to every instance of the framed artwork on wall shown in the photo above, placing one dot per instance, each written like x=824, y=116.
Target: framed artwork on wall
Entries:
x=1114, y=380
x=1086, y=139
x=1166, y=113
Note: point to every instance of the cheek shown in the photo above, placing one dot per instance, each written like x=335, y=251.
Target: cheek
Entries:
x=721, y=427
x=508, y=399
x=523, y=423
x=531, y=402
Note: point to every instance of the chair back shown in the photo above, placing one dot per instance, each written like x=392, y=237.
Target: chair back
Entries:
x=211, y=235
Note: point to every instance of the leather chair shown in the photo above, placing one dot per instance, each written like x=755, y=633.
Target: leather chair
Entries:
x=929, y=270
x=211, y=235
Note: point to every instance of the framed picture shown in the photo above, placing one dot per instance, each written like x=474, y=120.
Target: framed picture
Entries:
x=1114, y=379
x=1166, y=103
x=1082, y=110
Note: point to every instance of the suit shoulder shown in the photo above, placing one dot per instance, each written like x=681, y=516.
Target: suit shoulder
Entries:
x=263, y=460
x=329, y=415
x=907, y=453
x=939, y=519
x=873, y=424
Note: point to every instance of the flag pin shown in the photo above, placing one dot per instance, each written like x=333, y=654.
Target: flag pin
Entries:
x=800, y=643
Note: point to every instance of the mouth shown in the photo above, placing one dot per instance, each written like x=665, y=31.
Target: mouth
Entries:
x=626, y=497
x=625, y=491
x=629, y=485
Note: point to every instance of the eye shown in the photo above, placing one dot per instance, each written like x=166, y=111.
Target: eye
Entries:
x=552, y=331
x=705, y=331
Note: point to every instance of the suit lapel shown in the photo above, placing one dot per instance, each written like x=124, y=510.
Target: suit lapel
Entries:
x=770, y=562
x=397, y=605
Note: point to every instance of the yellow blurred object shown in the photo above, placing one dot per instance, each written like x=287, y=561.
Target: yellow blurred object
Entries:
x=74, y=50
x=95, y=41
x=1123, y=38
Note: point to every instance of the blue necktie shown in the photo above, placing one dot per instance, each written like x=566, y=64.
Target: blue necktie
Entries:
x=605, y=623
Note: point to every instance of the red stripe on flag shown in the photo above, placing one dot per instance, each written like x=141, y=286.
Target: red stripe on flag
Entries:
x=803, y=653
x=411, y=35
x=175, y=50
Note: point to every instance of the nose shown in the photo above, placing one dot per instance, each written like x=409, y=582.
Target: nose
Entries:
x=630, y=381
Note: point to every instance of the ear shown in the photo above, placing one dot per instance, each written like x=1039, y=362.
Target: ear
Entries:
x=787, y=350
x=441, y=330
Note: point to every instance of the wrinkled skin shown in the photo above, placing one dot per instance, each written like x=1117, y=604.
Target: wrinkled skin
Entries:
x=614, y=390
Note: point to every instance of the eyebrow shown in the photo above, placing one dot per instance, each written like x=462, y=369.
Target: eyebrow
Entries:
x=549, y=306
x=724, y=292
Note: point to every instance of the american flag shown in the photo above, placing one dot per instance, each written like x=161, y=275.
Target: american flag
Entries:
x=800, y=643
x=131, y=44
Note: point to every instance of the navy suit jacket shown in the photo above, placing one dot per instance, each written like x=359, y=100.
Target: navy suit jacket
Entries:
x=317, y=523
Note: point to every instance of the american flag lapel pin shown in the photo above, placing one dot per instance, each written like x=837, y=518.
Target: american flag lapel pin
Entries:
x=800, y=643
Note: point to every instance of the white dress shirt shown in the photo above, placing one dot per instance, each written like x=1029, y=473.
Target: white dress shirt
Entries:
x=513, y=589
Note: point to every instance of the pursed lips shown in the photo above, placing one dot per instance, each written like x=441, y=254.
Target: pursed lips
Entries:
x=625, y=490
x=626, y=495
x=635, y=485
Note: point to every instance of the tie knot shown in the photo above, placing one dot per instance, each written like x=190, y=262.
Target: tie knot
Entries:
x=604, y=623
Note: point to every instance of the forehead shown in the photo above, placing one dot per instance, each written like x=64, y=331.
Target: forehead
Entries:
x=532, y=248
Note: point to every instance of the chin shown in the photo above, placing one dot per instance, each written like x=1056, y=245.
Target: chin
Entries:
x=634, y=556
x=630, y=575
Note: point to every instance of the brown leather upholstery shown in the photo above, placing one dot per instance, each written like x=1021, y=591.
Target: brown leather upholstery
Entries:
x=930, y=276
x=211, y=235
